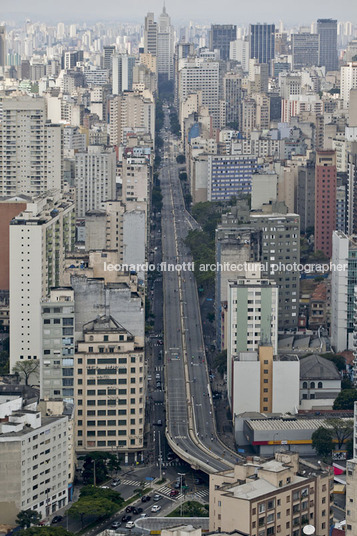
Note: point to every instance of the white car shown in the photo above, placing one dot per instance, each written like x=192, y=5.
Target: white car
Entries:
x=156, y=508
x=143, y=515
x=130, y=525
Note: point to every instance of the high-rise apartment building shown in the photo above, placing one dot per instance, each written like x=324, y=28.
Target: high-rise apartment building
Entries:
x=280, y=250
x=34, y=460
x=239, y=51
x=199, y=74
x=108, y=52
x=122, y=73
x=131, y=112
x=327, y=31
x=348, y=81
x=344, y=253
x=165, y=46
x=30, y=148
x=305, y=50
x=252, y=318
x=39, y=238
x=2, y=46
x=110, y=387
x=325, y=200
x=95, y=176
x=262, y=42
x=275, y=496
x=232, y=95
x=221, y=35
x=150, y=35
x=57, y=359
x=229, y=176
x=305, y=194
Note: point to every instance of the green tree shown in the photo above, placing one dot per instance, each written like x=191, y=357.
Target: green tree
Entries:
x=91, y=506
x=337, y=359
x=342, y=430
x=101, y=493
x=26, y=518
x=220, y=362
x=322, y=441
x=345, y=399
x=346, y=383
x=25, y=369
x=45, y=531
x=104, y=462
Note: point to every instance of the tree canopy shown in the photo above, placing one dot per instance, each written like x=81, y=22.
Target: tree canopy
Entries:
x=45, y=531
x=94, y=506
x=342, y=430
x=105, y=463
x=345, y=399
x=322, y=441
x=25, y=368
x=26, y=518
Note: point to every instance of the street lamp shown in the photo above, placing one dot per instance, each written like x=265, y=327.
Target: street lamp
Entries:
x=181, y=475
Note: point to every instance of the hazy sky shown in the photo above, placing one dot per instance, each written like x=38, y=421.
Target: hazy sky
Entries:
x=239, y=12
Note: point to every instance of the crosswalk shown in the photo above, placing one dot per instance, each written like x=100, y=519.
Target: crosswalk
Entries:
x=203, y=494
x=131, y=483
x=159, y=368
x=169, y=464
x=165, y=490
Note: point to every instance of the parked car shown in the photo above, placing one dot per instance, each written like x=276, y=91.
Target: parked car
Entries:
x=155, y=508
x=115, y=525
x=126, y=518
x=56, y=519
x=157, y=497
x=130, y=525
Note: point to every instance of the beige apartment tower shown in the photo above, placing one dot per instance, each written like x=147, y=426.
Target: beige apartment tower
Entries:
x=110, y=389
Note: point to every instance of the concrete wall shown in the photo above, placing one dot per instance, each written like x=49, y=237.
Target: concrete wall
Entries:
x=246, y=386
x=286, y=386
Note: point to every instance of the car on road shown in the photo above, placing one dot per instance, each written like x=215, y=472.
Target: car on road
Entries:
x=174, y=492
x=157, y=497
x=115, y=482
x=155, y=508
x=115, y=525
x=105, y=487
x=129, y=509
x=158, y=376
x=143, y=515
x=158, y=423
x=177, y=485
x=56, y=519
x=145, y=498
x=130, y=525
x=126, y=518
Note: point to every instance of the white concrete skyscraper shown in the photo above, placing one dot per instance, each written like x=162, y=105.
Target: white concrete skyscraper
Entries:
x=165, y=46
x=30, y=148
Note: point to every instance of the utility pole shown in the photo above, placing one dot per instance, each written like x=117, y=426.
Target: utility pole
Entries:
x=160, y=456
x=94, y=475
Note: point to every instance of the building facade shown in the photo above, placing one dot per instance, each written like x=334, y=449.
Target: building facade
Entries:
x=271, y=496
x=325, y=200
x=39, y=238
x=110, y=386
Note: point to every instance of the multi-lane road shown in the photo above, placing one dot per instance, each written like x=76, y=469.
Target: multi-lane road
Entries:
x=190, y=423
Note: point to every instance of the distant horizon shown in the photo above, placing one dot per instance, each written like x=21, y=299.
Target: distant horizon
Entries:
x=224, y=12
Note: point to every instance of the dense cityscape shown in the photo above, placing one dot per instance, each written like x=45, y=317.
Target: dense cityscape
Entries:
x=183, y=197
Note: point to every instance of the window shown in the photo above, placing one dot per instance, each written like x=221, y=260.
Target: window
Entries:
x=312, y=385
x=261, y=508
x=319, y=385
